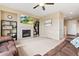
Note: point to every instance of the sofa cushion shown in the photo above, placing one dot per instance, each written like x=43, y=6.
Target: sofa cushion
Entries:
x=10, y=42
x=6, y=53
x=12, y=49
x=5, y=38
x=7, y=46
x=4, y=44
x=3, y=48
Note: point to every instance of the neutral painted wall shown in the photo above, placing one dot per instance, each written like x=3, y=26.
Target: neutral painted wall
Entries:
x=4, y=16
x=65, y=28
x=61, y=25
x=0, y=23
x=3, y=8
x=53, y=31
x=16, y=14
x=56, y=30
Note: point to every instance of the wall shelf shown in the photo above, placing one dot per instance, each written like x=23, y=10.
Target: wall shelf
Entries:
x=9, y=28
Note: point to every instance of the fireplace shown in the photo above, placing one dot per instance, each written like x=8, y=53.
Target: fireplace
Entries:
x=26, y=33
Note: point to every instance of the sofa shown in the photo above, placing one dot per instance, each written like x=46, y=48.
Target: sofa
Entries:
x=7, y=46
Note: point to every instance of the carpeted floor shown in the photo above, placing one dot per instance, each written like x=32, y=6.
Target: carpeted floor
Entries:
x=33, y=46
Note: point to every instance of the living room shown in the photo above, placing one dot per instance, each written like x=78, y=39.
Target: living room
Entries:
x=34, y=26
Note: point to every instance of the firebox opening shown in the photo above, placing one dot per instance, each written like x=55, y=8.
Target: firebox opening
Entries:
x=26, y=33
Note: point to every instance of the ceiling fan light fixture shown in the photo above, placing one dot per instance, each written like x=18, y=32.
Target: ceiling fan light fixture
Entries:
x=42, y=5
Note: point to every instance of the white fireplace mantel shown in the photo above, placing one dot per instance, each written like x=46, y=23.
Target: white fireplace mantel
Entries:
x=21, y=27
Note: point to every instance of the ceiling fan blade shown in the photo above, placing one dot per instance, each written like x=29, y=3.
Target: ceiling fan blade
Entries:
x=49, y=3
x=35, y=6
x=43, y=7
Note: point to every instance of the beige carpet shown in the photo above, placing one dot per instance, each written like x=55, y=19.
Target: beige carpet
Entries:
x=33, y=46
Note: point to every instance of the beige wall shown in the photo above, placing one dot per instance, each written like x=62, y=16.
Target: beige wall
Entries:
x=3, y=8
x=56, y=30
x=5, y=16
x=61, y=25
x=65, y=28
x=0, y=23
x=16, y=17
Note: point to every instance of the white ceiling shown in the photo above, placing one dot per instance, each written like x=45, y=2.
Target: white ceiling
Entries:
x=70, y=10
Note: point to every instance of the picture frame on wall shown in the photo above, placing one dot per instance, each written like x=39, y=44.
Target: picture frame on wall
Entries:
x=26, y=19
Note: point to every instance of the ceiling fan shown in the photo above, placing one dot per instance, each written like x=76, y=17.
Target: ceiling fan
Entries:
x=42, y=5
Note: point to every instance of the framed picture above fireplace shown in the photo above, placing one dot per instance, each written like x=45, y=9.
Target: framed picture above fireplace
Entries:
x=26, y=19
